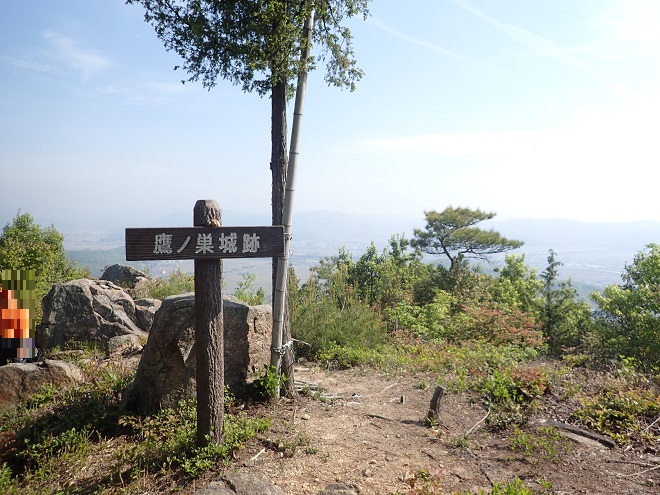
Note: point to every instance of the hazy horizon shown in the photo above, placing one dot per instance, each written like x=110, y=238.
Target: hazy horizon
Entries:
x=547, y=110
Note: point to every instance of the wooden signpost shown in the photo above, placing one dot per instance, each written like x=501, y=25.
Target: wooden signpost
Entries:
x=207, y=243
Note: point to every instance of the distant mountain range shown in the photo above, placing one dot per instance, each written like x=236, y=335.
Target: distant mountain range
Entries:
x=593, y=254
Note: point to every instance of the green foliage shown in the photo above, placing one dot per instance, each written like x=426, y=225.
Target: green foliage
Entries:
x=177, y=283
x=329, y=313
x=255, y=44
x=543, y=444
x=621, y=414
x=168, y=440
x=64, y=427
x=452, y=233
x=628, y=321
x=565, y=320
x=517, y=286
x=269, y=383
x=25, y=245
x=429, y=320
x=246, y=292
x=516, y=487
x=58, y=427
x=495, y=325
x=511, y=394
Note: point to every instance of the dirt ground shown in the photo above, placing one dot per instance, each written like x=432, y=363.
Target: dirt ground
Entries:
x=367, y=429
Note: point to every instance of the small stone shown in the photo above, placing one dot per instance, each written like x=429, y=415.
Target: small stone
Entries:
x=367, y=473
x=305, y=416
x=373, y=461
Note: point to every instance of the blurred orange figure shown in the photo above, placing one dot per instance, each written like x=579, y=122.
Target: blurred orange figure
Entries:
x=14, y=322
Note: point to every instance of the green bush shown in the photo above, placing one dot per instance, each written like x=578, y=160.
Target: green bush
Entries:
x=177, y=283
x=25, y=245
x=621, y=414
x=324, y=318
x=628, y=320
x=246, y=292
x=511, y=394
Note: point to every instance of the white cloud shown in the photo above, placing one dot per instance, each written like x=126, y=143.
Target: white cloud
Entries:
x=535, y=42
x=634, y=21
x=87, y=61
x=27, y=64
x=600, y=167
x=413, y=39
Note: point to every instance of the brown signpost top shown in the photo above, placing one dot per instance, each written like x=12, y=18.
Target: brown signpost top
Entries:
x=179, y=243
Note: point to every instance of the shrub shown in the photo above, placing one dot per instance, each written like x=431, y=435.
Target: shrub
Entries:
x=511, y=393
x=25, y=245
x=621, y=414
x=628, y=319
x=177, y=283
x=246, y=292
x=325, y=318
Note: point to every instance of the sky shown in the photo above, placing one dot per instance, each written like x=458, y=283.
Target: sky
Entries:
x=529, y=109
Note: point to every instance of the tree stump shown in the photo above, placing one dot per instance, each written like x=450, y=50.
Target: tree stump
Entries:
x=434, y=409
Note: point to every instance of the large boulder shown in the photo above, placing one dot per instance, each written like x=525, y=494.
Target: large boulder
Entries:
x=239, y=484
x=87, y=310
x=167, y=370
x=21, y=380
x=145, y=312
x=123, y=275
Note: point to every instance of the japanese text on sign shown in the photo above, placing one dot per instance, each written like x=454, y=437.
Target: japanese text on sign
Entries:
x=205, y=244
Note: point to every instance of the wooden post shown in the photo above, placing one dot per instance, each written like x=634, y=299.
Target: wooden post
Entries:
x=207, y=242
x=209, y=334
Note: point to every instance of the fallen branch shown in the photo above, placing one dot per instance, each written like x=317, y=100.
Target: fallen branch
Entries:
x=378, y=416
x=258, y=454
x=646, y=430
x=477, y=424
x=607, y=441
x=639, y=473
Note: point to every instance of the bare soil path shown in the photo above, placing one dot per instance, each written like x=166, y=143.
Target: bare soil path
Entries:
x=367, y=429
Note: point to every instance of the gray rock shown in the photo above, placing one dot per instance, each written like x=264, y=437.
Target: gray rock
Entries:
x=86, y=310
x=145, y=311
x=21, y=381
x=123, y=275
x=240, y=484
x=339, y=489
x=167, y=370
x=123, y=346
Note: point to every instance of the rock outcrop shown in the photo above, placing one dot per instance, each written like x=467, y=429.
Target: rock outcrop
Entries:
x=167, y=370
x=20, y=381
x=124, y=276
x=89, y=310
x=240, y=484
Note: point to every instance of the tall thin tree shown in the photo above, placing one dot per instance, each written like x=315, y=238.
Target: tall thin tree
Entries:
x=257, y=45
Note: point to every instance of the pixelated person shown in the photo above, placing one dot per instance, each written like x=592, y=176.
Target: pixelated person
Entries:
x=17, y=327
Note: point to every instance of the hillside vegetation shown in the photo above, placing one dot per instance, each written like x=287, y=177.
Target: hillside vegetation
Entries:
x=516, y=342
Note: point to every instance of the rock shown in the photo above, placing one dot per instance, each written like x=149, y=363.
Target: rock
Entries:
x=86, y=310
x=167, y=370
x=339, y=489
x=123, y=275
x=145, y=311
x=21, y=381
x=240, y=484
x=123, y=346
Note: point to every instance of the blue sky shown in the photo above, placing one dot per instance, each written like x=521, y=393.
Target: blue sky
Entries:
x=530, y=109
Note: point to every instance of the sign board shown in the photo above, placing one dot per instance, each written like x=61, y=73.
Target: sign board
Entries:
x=179, y=243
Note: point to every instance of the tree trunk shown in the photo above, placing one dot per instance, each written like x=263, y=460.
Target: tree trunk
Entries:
x=209, y=336
x=279, y=160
